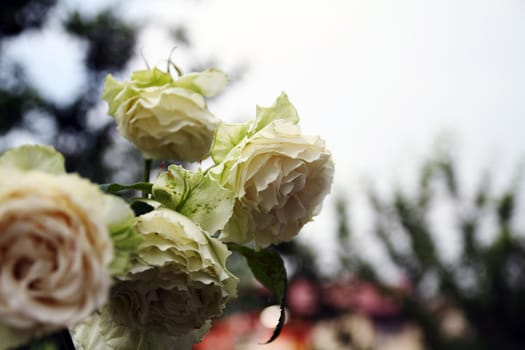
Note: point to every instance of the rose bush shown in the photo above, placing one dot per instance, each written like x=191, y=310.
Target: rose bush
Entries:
x=165, y=118
x=278, y=175
x=178, y=283
x=56, y=247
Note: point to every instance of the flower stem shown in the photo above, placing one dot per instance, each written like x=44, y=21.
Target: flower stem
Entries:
x=147, y=169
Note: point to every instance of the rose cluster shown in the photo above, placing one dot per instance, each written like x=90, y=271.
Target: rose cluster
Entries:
x=73, y=256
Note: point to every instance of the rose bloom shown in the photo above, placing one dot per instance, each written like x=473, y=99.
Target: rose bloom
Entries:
x=165, y=118
x=279, y=176
x=178, y=284
x=55, y=249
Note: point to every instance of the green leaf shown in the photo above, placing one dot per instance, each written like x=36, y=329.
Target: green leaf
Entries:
x=145, y=187
x=268, y=267
x=34, y=157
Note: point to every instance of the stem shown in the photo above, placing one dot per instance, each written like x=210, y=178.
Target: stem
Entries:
x=179, y=71
x=171, y=64
x=147, y=168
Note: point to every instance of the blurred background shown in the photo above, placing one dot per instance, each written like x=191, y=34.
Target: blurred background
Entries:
x=421, y=243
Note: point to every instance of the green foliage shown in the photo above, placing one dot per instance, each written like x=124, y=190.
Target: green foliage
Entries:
x=110, y=41
x=487, y=280
x=268, y=267
x=145, y=187
x=20, y=15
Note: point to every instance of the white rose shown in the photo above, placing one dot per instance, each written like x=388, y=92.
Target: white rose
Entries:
x=55, y=244
x=165, y=118
x=178, y=284
x=55, y=250
x=279, y=176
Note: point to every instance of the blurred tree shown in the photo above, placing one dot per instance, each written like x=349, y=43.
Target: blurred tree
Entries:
x=485, y=285
x=19, y=15
x=110, y=44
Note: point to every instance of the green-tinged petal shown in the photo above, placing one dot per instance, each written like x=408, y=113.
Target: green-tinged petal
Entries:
x=200, y=198
x=34, y=157
x=112, y=88
x=173, y=187
x=209, y=204
x=227, y=136
x=87, y=335
x=282, y=109
x=119, y=220
x=150, y=77
x=237, y=228
x=208, y=83
x=125, y=244
x=100, y=332
x=117, y=213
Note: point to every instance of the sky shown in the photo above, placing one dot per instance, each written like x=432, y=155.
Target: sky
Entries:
x=382, y=82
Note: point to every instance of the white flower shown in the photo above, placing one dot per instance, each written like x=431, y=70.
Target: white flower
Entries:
x=278, y=175
x=55, y=243
x=165, y=118
x=178, y=284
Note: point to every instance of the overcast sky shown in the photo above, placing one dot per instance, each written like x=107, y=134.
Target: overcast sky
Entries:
x=379, y=80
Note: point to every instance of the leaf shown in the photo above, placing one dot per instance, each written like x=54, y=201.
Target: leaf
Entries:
x=268, y=267
x=145, y=187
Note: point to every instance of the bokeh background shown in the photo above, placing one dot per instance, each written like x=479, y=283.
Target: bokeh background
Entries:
x=421, y=243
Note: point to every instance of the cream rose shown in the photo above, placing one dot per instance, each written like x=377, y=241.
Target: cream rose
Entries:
x=55, y=243
x=165, y=118
x=55, y=252
x=179, y=282
x=279, y=176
